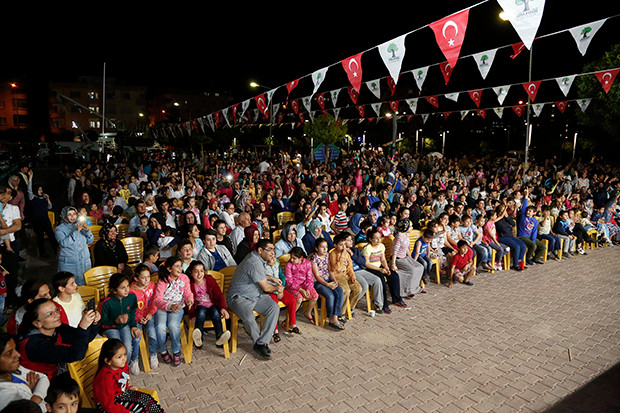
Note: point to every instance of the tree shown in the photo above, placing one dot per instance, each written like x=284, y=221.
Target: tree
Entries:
x=326, y=130
x=600, y=120
x=483, y=59
x=585, y=31
x=392, y=48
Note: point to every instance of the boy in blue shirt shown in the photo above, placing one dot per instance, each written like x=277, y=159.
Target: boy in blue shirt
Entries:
x=527, y=231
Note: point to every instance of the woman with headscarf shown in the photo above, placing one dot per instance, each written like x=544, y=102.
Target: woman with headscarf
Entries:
x=73, y=237
x=248, y=243
x=288, y=240
x=315, y=231
x=354, y=223
x=373, y=216
x=109, y=250
x=409, y=270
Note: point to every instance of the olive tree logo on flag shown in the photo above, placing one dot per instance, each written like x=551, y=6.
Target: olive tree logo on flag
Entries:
x=525, y=17
x=392, y=53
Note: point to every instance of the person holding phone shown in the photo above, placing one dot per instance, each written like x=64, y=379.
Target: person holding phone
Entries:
x=73, y=238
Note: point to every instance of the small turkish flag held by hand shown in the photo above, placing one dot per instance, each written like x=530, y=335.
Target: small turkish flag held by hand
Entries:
x=607, y=77
x=353, y=67
x=450, y=33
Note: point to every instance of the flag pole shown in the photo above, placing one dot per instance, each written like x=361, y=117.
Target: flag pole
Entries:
x=528, y=131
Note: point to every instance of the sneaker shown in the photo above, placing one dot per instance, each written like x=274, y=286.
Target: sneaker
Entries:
x=529, y=262
x=539, y=262
x=379, y=311
x=154, y=361
x=343, y=319
x=223, y=338
x=197, y=337
x=471, y=284
x=263, y=351
x=166, y=357
x=134, y=368
x=387, y=310
x=178, y=357
x=401, y=304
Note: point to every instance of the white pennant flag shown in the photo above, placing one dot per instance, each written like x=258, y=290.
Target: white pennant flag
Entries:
x=499, y=112
x=307, y=103
x=270, y=95
x=318, y=77
x=464, y=113
x=244, y=106
x=375, y=87
x=211, y=123
x=525, y=17
x=424, y=117
x=377, y=108
x=413, y=104
x=484, y=61
x=276, y=108
x=336, y=113
x=420, y=75
x=452, y=96
x=565, y=82
x=393, y=53
x=334, y=94
x=583, y=34
x=501, y=92
x=583, y=103
x=537, y=108
x=225, y=112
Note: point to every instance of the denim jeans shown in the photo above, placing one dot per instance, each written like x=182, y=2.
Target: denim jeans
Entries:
x=151, y=333
x=209, y=313
x=170, y=321
x=517, y=248
x=554, y=241
x=132, y=344
x=426, y=261
x=333, y=299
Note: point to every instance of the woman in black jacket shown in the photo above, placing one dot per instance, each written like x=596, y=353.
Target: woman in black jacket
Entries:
x=109, y=250
x=40, y=204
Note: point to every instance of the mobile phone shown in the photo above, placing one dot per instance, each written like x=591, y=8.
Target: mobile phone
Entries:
x=90, y=305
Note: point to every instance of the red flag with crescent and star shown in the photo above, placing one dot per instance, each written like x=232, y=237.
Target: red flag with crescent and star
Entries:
x=532, y=88
x=394, y=105
x=291, y=85
x=432, y=100
x=295, y=106
x=475, y=96
x=353, y=67
x=450, y=33
x=320, y=99
x=518, y=110
x=606, y=77
x=361, y=110
x=482, y=113
x=561, y=105
x=353, y=93
x=262, y=105
x=446, y=70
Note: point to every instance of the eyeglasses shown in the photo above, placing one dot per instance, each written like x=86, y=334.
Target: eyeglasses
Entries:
x=55, y=311
x=269, y=249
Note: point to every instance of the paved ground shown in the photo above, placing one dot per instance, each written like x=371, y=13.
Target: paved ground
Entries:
x=547, y=339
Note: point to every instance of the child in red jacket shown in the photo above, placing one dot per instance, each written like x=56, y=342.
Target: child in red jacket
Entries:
x=209, y=303
x=111, y=390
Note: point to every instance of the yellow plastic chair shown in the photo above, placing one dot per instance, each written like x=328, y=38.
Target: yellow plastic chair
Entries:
x=99, y=277
x=283, y=259
x=219, y=278
x=123, y=231
x=84, y=371
x=389, y=243
x=95, y=230
x=87, y=293
x=134, y=246
x=275, y=236
x=284, y=217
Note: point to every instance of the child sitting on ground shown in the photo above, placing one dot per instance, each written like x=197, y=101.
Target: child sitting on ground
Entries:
x=462, y=265
x=68, y=297
x=111, y=389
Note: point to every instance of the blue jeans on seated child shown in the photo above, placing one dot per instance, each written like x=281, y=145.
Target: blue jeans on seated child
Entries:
x=132, y=344
x=426, y=262
x=333, y=299
x=211, y=313
x=171, y=322
x=151, y=332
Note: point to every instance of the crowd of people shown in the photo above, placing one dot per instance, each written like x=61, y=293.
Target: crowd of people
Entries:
x=294, y=231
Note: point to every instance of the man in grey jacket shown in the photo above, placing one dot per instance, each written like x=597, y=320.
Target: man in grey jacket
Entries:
x=214, y=256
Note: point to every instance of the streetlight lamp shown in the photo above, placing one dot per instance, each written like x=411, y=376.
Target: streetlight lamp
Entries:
x=255, y=85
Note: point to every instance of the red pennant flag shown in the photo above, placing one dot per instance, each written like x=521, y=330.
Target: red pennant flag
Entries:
x=394, y=105
x=262, y=105
x=561, y=105
x=446, y=70
x=302, y=117
x=532, y=88
x=482, y=113
x=234, y=111
x=360, y=109
x=518, y=110
x=391, y=84
x=475, y=96
x=517, y=48
x=353, y=67
x=446, y=114
x=432, y=100
x=353, y=93
x=450, y=33
x=320, y=98
x=607, y=77
x=291, y=85
x=280, y=117
x=295, y=106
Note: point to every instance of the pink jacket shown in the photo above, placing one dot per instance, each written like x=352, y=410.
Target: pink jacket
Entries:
x=299, y=275
x=178, y=291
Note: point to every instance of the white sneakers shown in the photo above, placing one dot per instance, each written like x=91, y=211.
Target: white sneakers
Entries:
x=197, y=337
x=154, y=361
x=223, y=338
x=134, y=368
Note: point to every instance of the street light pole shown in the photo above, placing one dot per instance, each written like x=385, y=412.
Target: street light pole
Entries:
x=528, y=131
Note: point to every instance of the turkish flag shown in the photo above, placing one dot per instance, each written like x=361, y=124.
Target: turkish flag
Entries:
x=561, y=105
x=446, y=70
x=518, y=110
x=450, y=33
x=295, y=106
x=394, y=105
x=353, y=67
x=320, y=98
x=446, y=114
x=532, y=88
x=391, y=84
x=302, y=117
x=517, y=48
x=475, y=96
x=360, y=109
x=353, y=93
x=291, y=85
x=432, y=100
x=606, y=77
x=234, y=112
x=482, y=113
x=262, y=105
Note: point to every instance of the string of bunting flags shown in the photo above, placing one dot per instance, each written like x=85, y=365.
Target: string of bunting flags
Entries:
x=449, y=34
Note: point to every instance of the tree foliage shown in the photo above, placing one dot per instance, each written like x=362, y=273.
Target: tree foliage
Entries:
x=326, y=130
